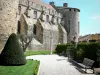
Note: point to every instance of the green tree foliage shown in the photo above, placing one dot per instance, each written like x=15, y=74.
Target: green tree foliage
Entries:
x=12, y=53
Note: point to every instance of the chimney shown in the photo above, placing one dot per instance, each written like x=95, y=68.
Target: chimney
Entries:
x=65, y=5
x=51, y=3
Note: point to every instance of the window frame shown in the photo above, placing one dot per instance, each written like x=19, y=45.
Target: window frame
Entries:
x=35, y=14
x=47, y=18
x=19, y=10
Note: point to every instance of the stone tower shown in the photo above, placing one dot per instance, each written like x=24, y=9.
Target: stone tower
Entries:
x=70, y=21
x=8, y=18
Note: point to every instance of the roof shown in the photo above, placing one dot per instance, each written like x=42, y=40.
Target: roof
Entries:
x=42, y=3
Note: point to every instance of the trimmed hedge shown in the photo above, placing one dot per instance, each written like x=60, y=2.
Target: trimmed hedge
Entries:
x=83, y=50
x=12, y=53
x=37, y=68
x=61, y=48
x=88, y=50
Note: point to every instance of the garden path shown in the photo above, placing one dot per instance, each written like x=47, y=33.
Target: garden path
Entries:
x=55, y=65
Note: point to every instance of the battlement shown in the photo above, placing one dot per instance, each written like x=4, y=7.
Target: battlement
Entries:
x=65, y=5
x=72, y=9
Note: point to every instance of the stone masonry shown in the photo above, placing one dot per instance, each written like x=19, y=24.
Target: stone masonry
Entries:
x=70, y=21
x=8, y=19
x=48, y=24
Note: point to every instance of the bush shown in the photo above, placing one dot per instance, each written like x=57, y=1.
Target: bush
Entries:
x=78, y=55
x=88, y=50
x=80, y=52
x=37, y=68
x=12, y=53
x=84, y=50
x=98, y=55
x=61, y=48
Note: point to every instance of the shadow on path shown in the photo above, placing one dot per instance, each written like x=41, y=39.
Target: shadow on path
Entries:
x=78, y=67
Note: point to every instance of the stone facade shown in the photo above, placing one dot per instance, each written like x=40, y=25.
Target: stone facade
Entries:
x=8, y=19
x=70, y=20
x=42, y=21
x=48, y=24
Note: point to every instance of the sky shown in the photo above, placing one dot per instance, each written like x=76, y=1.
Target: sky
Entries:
x=89, y=14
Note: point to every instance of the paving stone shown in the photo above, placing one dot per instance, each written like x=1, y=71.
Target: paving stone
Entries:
x=55, y=65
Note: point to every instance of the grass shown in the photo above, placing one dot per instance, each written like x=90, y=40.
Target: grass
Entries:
x=44, y=52
x=29, y=69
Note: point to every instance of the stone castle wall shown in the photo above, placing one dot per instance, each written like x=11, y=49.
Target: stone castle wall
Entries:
x=62, y=35
x=45, y=31
x=49, y=32
x=50, y=37
x=8, y=18
x=71, y=22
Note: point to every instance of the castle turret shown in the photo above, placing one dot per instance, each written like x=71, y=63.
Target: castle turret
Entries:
x=8, y=17
x=70, y=21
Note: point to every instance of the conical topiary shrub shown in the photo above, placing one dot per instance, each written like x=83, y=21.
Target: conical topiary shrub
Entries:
x=12, y=53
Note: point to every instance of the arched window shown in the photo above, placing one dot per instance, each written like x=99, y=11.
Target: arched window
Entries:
x=35, y=14
x=47, y=18
x=34, y=29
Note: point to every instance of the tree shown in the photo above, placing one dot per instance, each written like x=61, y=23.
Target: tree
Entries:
x=25, y=40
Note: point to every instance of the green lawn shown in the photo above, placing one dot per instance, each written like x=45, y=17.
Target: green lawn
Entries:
x=29, y=69
x=44, y=52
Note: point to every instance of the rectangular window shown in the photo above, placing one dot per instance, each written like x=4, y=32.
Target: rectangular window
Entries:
x=68, y=28
x=57, y=20
x=19, y=10
x=52, y=20
x=19, y=27
x=35, y=14
x=53, y=12
x=47, y=18
x=69, y=9
x=34, y=30
x=74, y=10
x=78, y=26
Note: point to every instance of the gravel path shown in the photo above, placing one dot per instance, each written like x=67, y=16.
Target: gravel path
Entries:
x=55, y=65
